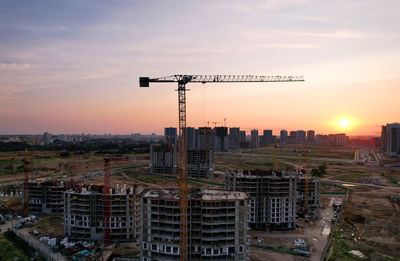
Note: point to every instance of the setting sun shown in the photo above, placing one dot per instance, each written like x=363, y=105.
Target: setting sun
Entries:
x=344, y=123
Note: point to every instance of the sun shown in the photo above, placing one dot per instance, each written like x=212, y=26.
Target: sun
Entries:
x=344, y=123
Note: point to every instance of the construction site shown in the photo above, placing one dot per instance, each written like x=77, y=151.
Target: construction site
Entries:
x=163, y=160
x=273, y=197
x=84, y=208
x=46, y=197
x=217, y=225
x=204, y=210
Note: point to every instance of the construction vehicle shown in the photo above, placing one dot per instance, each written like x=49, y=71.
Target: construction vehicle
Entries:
x=182, y=80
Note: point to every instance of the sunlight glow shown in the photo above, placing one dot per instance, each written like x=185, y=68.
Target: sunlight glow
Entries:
x=344, y=123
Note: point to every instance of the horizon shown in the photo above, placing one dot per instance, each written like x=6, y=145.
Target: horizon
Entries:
x=74, y=66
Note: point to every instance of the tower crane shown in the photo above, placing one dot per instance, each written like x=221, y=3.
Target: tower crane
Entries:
x=215, y=123
x=182, y=80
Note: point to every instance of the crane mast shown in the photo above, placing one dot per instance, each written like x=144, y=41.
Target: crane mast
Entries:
x=182, y=80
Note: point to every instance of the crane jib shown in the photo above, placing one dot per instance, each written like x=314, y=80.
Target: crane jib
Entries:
x=184, y=79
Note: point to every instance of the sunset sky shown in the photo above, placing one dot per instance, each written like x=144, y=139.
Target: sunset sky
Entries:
x=72, y=66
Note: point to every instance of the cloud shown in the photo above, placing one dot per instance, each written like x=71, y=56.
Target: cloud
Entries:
x=336, y=34
x=15, y=66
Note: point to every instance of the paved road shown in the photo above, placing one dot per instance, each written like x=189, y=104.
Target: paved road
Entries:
x=288, y=157
x=359, y=184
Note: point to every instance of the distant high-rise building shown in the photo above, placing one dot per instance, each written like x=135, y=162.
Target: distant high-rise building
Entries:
x=205, y=138
x=47, y=138
x=221, y=138
x=284, y=137
x=310, y=136
x=292, y=137
x=267, y=137
x=390, y=139
x=234, y=138
x=255, y=141
x=341, y=140
x=171, y=136
x=242, y=138
x=300, y=137
x=190, y=138
x=62, y=137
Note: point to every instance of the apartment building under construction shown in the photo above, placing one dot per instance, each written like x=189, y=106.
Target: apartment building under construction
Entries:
x=313, y=201
x=47, y=197
x=217, y=225
x=84, y=219
x=163, y=160
x=273, y=197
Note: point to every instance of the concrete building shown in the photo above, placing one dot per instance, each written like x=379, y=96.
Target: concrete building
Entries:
x=313, y=194
x=163, y=159
x=205, y=138
x=300, y=137
x=84, y=219
x=190, y=138
x=221, y=138
x=217, y=225
x=47, y=138
x=310, y=137
x=390, y=139
x=273, y=197
x=284, y=137
x=255, y=140
x=234, y=138
x=46, y=197
x=267, y=137
x=171, y=136
x=200, y=163
x=341, y=140
x=292, y=137
x=242, y=139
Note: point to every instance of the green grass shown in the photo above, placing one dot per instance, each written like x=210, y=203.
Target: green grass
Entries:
x=8, y=167
x=14, y=249
x=149, y=178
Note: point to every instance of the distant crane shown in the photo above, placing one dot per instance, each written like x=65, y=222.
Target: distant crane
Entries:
x=182, y=80
x=107, y=197
x=215, y=124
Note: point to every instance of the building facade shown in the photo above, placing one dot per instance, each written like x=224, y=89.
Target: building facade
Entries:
x=272, y=197
x=234, y=138
x=171, y=135
x=217, y=225
x=255, y=140
x=284, y=137
x=163, y=159
x=390, y=139
x=84, y=208
x=46, y=197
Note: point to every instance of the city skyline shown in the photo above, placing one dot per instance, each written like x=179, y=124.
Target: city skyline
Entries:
x=73, y=66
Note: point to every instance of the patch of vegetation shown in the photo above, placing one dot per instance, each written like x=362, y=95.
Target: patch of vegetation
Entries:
x=50, y=221
x=320, y=171
x=149, y=178
x=11, y=167
x=14, y=249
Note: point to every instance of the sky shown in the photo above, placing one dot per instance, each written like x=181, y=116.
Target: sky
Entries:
x=73, y=66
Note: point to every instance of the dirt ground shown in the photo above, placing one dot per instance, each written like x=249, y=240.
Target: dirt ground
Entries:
x=370, y=224
x=311, y=232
